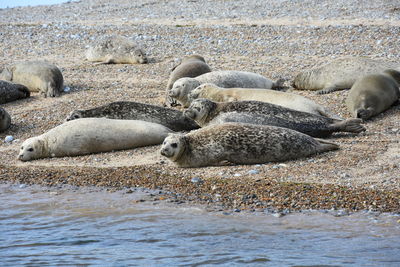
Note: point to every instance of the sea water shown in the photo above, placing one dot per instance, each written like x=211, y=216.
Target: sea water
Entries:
x=42, y=226
x=16, y=3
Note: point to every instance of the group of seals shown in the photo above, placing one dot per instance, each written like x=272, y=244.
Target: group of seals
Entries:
x=12, y=91
x=240, y=144
x=340, y=74
x=126, y=110
x=37, y=76
x=191, y=66
x=5, y=120
x=115, y=49
x=206, y=112
x=92, y=135
x=297, y=102
x=226, y=79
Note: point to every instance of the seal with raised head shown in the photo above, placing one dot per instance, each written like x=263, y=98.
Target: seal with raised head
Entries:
x=191, y=66
x=240, y=143
x=285, y=99
x=116, y=50
x=340, y=74
x=225, y=79
x=5, y=120
x=12, y=91
x=373, y=94
x=37, y=76
x=126, y=110
x=92, y=135
x=206, y=112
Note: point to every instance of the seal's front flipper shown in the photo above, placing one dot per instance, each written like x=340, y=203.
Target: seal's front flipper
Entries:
x=328, y=90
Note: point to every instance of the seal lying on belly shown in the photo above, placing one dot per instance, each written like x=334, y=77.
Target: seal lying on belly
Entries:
x=373, y=94
x=340, y=74
x=225, y=79
x=206, y=112
x=240, y=143
x=126, y=110
x=12, y=91
x=92, y=135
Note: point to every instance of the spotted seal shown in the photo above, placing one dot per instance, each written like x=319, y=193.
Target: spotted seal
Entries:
x=37, y=76
x=115, y=50
x=191, y=66
x=5, y=120
x=285, y=99
x=92, y=135
x=340, y=74
x=12, y=91
x=127, y=110
x=373, y=94
x=240, y=143
x=225, y=79
x=206, y=112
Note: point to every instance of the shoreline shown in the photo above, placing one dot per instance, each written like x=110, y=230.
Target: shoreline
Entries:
x=278, y=41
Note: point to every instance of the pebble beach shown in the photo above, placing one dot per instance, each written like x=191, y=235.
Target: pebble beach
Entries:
x=277, y=40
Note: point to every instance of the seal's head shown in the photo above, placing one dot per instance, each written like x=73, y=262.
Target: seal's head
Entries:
x=181, y=88
x=138, y=55
x=173, y=146
x=76, y=114
x=32, y=148
x=199, y=110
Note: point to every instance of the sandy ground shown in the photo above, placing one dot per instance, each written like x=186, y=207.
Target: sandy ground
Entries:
x=277, y=41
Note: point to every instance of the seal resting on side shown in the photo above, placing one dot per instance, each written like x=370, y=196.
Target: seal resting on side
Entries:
x=117, y=50
x=225, y=79
x=92, y=135
x=373, y=94
x=5, y=120
x=191, y=66
x=240, y=143
x=288, y=100
x=12, y=91
x=206, y=112
x=125, y=110
x=340, y=74
x=38, y=76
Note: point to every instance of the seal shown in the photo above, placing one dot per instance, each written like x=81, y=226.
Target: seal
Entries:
x=5, y=120
x=191, y=66
x=92, y=135
x=115, y=50
x=340, y=74
x=206, y=112
x=225, y=79
x=38, y=76
x=126, y=110
x=240, y=143
x=12, y=91
x=373, y=94
x=288, y=100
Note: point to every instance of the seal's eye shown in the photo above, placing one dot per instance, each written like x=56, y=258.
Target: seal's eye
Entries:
x=197, y=109
x=76, y=116
x=30, y=149
x=22, y=147
x=174, y=145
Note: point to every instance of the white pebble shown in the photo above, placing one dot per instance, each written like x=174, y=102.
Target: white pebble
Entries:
x=67, y=89
x=8, y=139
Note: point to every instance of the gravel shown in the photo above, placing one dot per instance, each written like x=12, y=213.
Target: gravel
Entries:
x=277, y=40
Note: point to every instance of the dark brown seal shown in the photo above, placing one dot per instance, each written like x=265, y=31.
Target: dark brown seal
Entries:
x=5, y=120
x=126, y=110
x=12, y=91
x=206, y=112
x=240, y=143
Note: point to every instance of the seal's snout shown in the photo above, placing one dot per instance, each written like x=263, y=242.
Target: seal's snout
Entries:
x=172, y=93
x=144, y=61
x=165, y=152
x=20, y=157
x=189, y=114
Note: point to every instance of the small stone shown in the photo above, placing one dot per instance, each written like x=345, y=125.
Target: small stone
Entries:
x=67, y=89
x=196, y=180
x=254, y=172
x=236, y=210
x=22, y=185
x=237, y=174
x=8, y=139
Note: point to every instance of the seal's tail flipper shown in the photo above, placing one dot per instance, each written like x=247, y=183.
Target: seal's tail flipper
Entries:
x=350, y=125
x=326, y=146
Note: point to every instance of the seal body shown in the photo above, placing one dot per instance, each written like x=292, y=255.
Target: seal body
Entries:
x=11, y=91
x=340, y=74
x=37, y=76
x=5, y=120
x=191, y=66
x=126, y=110
x=373, y=94
x=240, y=143
x=206, y=112
x=92, y=135
x=225, y=79
x=117, y=50
x=288, y=100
